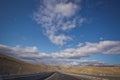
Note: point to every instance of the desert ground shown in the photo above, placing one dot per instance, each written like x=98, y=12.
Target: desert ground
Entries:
x=11, y=66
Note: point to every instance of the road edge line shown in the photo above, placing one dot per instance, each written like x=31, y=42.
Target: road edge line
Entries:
x=50, y=76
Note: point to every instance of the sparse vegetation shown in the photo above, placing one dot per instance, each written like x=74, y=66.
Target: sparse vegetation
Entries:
x=12, y=66
x=96, y=70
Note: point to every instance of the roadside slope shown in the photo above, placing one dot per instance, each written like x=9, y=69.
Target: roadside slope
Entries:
x=10, y=66
x=94, y=70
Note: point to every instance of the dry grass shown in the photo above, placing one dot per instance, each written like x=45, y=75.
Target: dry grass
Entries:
x=9, y=66
x=114, y=71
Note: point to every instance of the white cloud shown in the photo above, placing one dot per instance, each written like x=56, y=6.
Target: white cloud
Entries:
x=80, y=44
x=106, y=47
x=113, y=50
x=71, y=62
x=90, y=62
x=19, y=52
x=56, y=16
x=66, y=9
x=69, y=25
x=32, y=53
x=27, y=49
x=60, y=39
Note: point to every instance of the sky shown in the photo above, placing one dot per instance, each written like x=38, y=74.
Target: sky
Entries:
x=61, y=32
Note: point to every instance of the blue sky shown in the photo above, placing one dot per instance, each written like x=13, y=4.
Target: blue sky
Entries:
x=68, y=30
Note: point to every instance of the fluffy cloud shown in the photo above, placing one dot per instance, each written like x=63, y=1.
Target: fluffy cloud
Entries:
x=71, y=62
x=23, y=53
x=65, y=9
x=59, y=40
x=32, y=54
x=57, y=16
x=106, y=47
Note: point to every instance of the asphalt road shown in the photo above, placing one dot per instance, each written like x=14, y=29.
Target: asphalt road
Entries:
x=44, y=76
x=65, y=76
x=40, y=76
x=68, y=76
x=58, y=76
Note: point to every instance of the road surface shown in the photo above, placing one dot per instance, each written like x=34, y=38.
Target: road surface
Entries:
x=64, y=76
x=67, y=76
x=59, y=76
x=40, y=76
